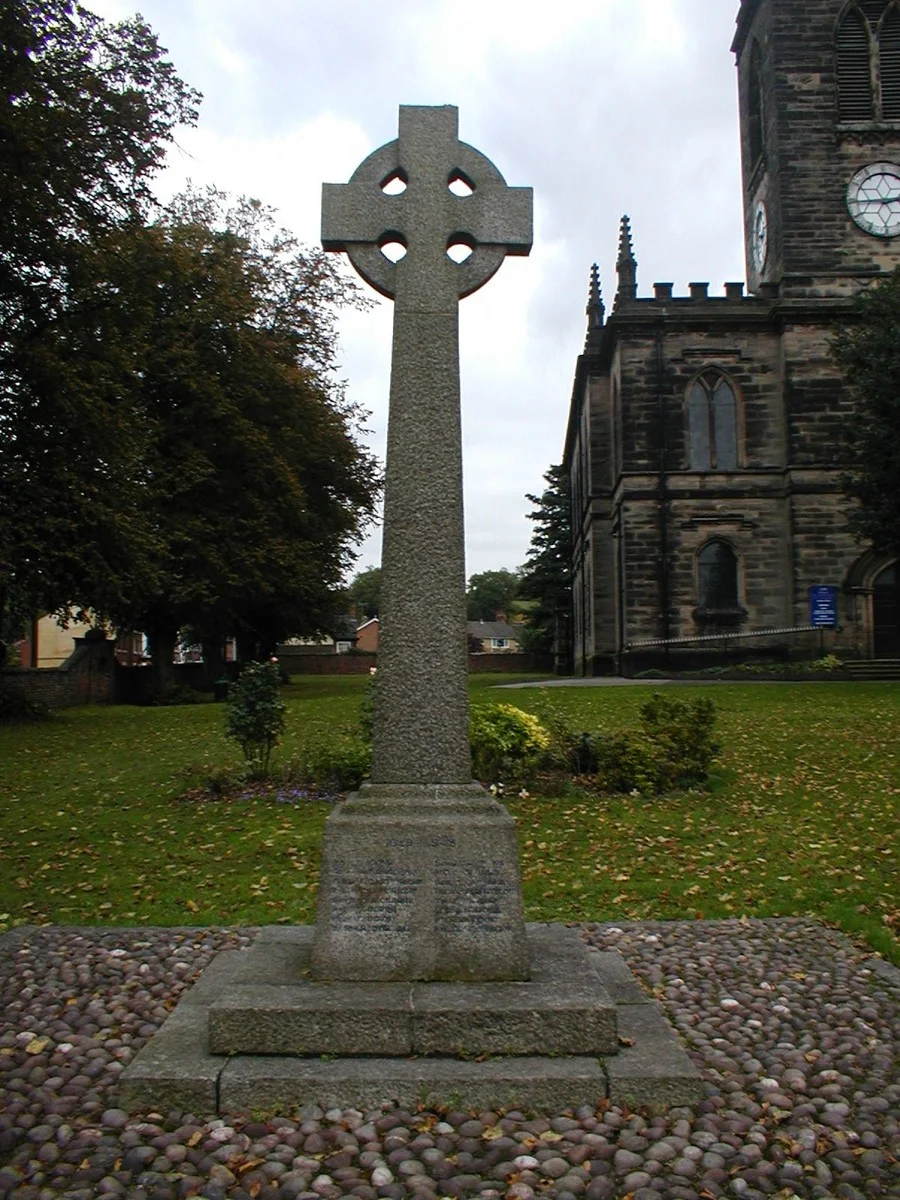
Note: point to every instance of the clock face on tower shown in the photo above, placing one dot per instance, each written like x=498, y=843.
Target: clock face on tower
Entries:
x=759, y=241
x=873, y=199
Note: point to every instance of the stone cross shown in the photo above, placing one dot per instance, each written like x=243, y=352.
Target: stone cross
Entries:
x=421, y=712
x=420, y=869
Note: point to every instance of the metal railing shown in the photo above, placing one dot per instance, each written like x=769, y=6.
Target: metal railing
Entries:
x=725, y=637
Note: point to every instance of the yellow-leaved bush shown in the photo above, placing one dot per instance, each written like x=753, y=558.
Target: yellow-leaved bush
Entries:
x=505, y=741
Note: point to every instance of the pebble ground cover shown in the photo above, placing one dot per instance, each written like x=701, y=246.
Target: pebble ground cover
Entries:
x=802, y=817
x=793, y=1027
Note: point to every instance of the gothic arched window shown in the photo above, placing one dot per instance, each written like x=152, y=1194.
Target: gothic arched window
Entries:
x=717, y=582
x=616, y=426
x=868, y=62
x=856, y=94
x=712, y=423
x=755, y=107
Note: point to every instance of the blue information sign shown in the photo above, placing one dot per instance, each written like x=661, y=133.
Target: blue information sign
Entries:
x=822, y=606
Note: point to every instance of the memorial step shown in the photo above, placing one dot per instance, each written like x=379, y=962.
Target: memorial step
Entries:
x=176, y=1069
x=274, y=1007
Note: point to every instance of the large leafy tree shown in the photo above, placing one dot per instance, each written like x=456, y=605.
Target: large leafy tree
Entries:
x=87, y=110
x=253, y=483
x=364, y=591
x=547, y=571
x=174, y=447
x=868, y=352
x=489, y=593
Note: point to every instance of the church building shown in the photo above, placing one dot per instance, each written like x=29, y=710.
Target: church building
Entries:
x=704, y=439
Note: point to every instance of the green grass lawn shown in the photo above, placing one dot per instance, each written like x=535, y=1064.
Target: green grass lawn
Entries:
x=802, y=817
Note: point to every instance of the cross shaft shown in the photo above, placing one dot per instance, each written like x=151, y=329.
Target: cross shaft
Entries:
x=421, y=709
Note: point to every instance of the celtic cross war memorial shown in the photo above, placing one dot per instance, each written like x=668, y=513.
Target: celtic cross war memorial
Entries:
x=420, y=982
x=420, y=872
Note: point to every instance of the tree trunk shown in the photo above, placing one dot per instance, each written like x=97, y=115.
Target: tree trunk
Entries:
x=213, y=659
x=162, y=652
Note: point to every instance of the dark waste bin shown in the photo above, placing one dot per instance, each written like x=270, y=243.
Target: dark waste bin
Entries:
x=220, y=689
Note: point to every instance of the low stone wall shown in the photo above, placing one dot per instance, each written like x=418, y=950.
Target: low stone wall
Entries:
x=91, y=674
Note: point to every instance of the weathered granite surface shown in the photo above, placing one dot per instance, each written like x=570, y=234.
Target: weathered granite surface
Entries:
x=420, y=883
x=420, y=876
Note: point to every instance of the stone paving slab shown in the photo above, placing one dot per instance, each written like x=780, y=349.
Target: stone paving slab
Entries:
x=272, y=1007
x=309, y=1018
x=280, y=954
x=617, y=978
x=651, y=1069
x=514, y=1019
x=175, y=1069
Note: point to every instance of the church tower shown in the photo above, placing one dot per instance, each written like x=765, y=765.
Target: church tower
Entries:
x=819, y=90
x=706, y=433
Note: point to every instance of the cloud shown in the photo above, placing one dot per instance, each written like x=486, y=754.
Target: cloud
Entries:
x=602, y=106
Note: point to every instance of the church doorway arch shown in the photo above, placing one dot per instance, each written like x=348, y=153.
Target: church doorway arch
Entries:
x=886, y=613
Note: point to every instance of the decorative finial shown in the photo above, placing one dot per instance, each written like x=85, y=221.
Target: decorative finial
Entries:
x=626, y=264
x=596, y=310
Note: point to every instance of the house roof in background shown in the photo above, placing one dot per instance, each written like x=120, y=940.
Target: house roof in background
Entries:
x=493, y=629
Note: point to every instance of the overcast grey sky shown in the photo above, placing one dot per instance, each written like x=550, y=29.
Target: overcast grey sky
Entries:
x=604, y=107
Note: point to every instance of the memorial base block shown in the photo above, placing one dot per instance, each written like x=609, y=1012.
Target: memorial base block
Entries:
x=258, y=1033
x=420, y=882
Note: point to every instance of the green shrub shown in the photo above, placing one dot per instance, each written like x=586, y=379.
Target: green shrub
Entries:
x=570, y=751
x=255, y=718
x=828, y=662
x=673, y=748
x=629, y=761
x=505, y=741
x=339, y=765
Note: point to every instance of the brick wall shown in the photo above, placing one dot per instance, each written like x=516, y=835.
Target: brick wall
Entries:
x=327, y=664
x=86, y=677
x=361, y=664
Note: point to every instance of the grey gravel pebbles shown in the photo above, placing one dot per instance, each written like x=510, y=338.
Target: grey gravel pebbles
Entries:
x=795, y=1029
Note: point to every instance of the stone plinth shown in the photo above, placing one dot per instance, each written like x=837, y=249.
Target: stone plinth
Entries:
x=273, y=1007
x=257, y=1032
x=420, y=882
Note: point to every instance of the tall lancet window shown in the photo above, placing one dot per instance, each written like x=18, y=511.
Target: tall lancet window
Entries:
x=717, y=581
x=856, y=93
x=712, y=423
x=889, y=64
x=755, y=123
